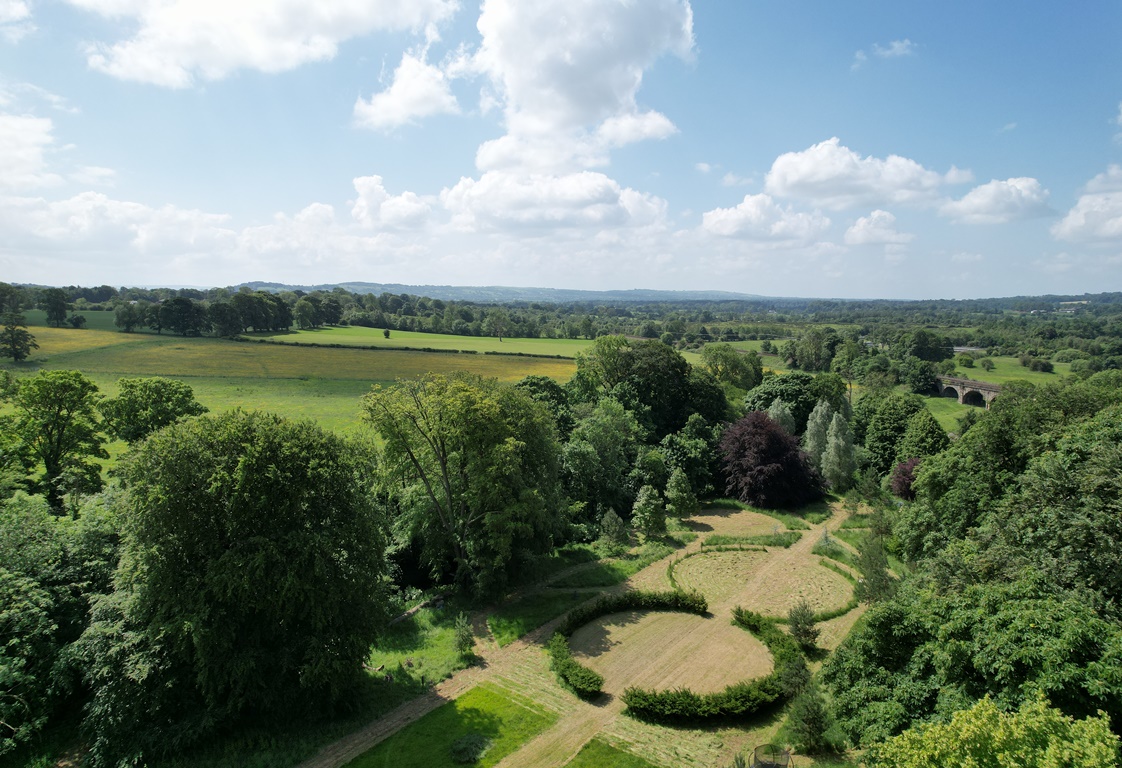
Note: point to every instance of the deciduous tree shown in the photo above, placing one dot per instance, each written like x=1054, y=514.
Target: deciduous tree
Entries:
x=16, y=341
x=764, y=467
x=144, y=405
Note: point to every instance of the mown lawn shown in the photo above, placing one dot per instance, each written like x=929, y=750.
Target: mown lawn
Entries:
x=505, y=721
x=513, y=620
x=597, y=754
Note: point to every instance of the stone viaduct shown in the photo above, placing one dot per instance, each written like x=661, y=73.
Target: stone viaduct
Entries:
x=967, y=391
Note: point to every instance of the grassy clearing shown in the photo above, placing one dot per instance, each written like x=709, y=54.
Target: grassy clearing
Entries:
x=851, y=536
x=419, y=650
x=513, y=620
x=374, y=337
x=792, y=522
x=782, y=539
x=835, y=551
x=858, y=520
x=506, y=721
x=947, y=411
x=608, y=573
x=1007, y=369
x=597, y=754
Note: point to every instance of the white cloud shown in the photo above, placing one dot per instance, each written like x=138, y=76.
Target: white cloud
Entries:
x=579, y=201
x=419, y=89
x=15, y=20
x=965, y=257
x=1007, y=128
x=834, y=176
x=178, y=42
x=730, y=179
x=1096, y=216
x=876, y=229
x=998, y=202
x=24, y=141
x=94, y=176
x=859, y=60
x=895, y=49
x=567, y=74
x=758, y=217
x=703, y=167
x=377, y=208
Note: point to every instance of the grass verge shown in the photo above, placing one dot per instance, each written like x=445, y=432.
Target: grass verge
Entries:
x=505, y=721
x=512, y=621
x=782, y=539
x=597, y=754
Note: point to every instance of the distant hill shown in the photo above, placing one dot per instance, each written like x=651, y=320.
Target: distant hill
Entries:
x=499, y=293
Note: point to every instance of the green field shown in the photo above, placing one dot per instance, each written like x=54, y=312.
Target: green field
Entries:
x=506, y=722
x=323, y=384
x=597, y=754
x=355, y=336
x=947, y=411
x=1007, y=369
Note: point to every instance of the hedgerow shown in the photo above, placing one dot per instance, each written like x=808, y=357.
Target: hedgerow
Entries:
x=738, y=700
x=572, y=674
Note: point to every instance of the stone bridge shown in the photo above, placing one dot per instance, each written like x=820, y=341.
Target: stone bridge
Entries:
x=967, y=391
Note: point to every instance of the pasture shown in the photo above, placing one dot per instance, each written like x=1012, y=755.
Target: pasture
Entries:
x=356, y=336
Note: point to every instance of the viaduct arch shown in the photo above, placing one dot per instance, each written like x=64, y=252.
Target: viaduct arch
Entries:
x=967, y=391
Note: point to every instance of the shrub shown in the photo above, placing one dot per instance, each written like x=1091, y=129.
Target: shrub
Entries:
x=573, y=675
x=465, y=638
x=800, y=623
x=469, y=748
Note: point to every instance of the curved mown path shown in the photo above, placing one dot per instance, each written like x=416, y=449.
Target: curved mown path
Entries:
x=522, y=667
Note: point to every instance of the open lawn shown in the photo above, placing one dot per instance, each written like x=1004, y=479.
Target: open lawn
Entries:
x=375, y=337
x=947, y=411
x=597, y=754
x=663, y=651
x=1010, y=369
x=506, y=723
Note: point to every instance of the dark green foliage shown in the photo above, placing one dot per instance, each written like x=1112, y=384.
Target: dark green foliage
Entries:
x=743, y=370
x=923, y=437
x=548, y=392
x=796, y=389
x=736, y=701
x=648, y=514
x=250, y=583
x=599, y=456
x=887, y=428
x=614, y=533
x=812, y=726
x=16, y=341
x=469, y=748
x=839, y=459
x=876, y=583
x=144, y=405
x=465, y=636
x=764, y=467
x=800, y=623
x=680, y=499
x=56, y=305
x=573, y=675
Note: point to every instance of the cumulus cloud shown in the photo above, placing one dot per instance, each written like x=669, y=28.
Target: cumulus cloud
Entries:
x=834, y=176
x=566, y=74
x=895, y=49
x=24, y=142
x=419, y=89
x=377, y=208
x=578, y=201
x=1096, y=216
x=94, y=176
x=878, y=228
x=703, y=167
x=15, y=20
x=999, y=202
x=759, y=217
x=178, y=42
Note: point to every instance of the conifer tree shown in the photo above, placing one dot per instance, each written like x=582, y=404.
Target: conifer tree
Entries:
x=680, y=499
x=648, y=515
x=780, y=413
x=839, y=460
x=613, y=532
x=814, y=439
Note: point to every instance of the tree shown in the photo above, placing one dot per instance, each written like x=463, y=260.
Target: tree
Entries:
x=903, y=479
x=839, y=460
x=54, y=301
x=876, y=582
x=127, y=316
x=811, y=724
x=743, y=370
x=56, y=418
x=224, y=319
x=250, y=584
x=144, y=405
x=814, y=438
x=764, y=467
x=887, y=429
x=613, y=533
x=801, y=391
x=648, y=514
x=305, y=314
x=1034, y=736
x=680, y=499
x=465, y=636
x=780, y=413
x=16, y=341
x=923, y=437
x=800, y=623
x=474, y=464
x=601, y=452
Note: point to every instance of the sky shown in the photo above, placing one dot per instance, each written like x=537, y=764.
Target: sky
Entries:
x=869, y=149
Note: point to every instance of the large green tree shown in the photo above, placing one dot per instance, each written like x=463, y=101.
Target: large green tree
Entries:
x=56, y=305
x=144, y=405
x=887, y=428
x=250, y=584
x=57, y=420
x=729, y=365
x=475, y=466
x=16, y=341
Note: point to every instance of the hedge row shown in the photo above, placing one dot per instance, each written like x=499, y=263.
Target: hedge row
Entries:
x=685, y=602
x=572, y=674
x=738, y=700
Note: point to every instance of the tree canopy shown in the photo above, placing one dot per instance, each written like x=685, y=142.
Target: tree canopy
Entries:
x=764, y=467
x=143, y=405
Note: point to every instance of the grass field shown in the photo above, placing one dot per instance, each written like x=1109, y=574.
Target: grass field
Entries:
x=513, y=620
x=374, y=337
x=296, y=382
x=597, y=754
x=947, y=411
x=612, y=571
x=507, y=723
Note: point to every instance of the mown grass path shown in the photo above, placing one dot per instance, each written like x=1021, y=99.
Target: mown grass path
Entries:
x=522, y=667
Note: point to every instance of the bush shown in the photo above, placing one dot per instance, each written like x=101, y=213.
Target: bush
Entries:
x=469, y=748
x=800, y=623
x=573, y=675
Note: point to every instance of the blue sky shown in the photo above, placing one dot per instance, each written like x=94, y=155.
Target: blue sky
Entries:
x=897, y=150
